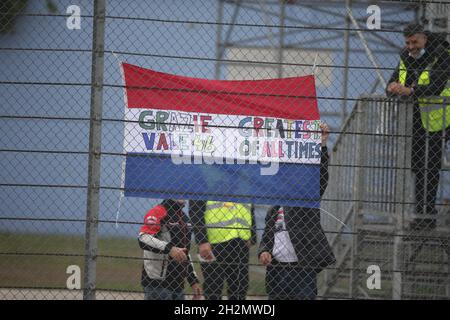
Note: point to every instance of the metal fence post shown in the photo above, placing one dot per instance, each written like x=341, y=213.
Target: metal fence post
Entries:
x=404, y=145
x=93, y=194
x=348, y=4
x=358, y=196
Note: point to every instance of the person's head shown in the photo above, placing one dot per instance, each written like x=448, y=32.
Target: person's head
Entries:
x=415, y=39
x=174, y=204
x=180, y=202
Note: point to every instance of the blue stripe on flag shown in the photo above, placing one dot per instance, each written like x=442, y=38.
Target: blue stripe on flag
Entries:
x=157, y=176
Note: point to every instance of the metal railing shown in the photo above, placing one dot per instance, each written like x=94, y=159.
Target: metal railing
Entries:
x=371, y=195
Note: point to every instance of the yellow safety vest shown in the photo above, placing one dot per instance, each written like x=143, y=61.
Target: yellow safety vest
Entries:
x=227, y=220
x=434, y=111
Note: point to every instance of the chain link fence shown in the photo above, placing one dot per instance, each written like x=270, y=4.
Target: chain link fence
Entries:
x=97, y=100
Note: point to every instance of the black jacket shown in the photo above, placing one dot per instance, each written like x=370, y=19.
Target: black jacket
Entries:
x=166, y=226
x=305, y=231
x=435, y=48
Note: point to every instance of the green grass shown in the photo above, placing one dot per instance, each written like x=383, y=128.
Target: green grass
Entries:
x=41, y=260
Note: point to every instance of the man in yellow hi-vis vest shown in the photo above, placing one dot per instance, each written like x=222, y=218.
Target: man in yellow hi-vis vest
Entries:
x=224, y=232
x=423, y=74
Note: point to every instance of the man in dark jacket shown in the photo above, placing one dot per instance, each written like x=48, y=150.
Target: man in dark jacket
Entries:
x=294, y=247
x=422, y=75
x=165, y=238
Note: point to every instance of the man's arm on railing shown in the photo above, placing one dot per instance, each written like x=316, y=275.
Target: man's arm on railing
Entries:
x=394, y=78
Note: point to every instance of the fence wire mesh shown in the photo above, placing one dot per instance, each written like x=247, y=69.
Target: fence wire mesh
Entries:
x=100, y=101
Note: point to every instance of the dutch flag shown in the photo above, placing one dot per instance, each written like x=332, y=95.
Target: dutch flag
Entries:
x=254, y=141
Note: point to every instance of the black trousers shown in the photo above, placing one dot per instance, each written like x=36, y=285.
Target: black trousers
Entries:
x=230, y=267
x=426, y=163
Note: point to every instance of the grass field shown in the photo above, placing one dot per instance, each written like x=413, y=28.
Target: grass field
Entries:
x=41, y=261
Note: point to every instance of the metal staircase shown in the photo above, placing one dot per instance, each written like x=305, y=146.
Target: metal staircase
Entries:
x=370, y=192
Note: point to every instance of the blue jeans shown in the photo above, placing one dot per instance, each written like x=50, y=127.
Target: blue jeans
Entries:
x=288, y=282
x=153, y=293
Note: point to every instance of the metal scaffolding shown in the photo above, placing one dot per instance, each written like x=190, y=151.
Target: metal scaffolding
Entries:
x=402, y=254
x=281, y=21
x=371, y=193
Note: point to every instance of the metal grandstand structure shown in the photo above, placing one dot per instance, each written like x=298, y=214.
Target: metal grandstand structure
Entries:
x=283, y=21
x=375, y=213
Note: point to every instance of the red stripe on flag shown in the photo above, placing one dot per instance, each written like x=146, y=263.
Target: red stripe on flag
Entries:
x=289, y=98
